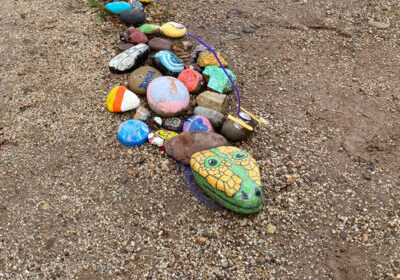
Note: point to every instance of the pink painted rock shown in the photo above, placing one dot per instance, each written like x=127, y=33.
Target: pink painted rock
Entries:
x=135, y=36
x=183, y=146
x=167, y=96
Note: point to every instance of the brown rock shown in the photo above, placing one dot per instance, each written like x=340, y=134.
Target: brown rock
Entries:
x=141, y=78
x=183, y=146
x=159, y=44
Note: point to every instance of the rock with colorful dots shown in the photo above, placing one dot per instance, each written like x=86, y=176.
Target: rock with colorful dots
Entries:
x=121, y=99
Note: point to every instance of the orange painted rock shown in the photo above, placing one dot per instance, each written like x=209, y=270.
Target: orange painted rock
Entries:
x=191, y=79
x=121, y=99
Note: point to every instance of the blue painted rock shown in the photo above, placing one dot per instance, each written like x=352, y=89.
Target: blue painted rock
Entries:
x=117, y=7
x=132, y=17
x=217, y=79
x=136, y=5
x=130, y=59
x=168, y=63
x=133, y=133
x=200, y=123
x=167, y=96
x=140, y=79
x=216, y=118
x=174, y=124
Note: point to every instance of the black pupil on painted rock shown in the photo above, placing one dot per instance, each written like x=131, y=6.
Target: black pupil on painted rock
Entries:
x=240, y=156
x=212, y=162
x=258, y=193
x=245, y=195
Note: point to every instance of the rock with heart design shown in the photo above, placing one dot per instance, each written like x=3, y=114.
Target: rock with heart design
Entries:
x=173, y=30
x=167, y=96
x=130, y=59
x=217, y=79
x=117, y=7
x=132, y=17
x=200, y=123
x=168, y=63
x=140, y=79
x=191, y=79
x=121, y=99
x=135, y=36
x=133, y=133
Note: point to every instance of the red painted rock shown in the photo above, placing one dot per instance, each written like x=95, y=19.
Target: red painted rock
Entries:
x=183, y=146
x=135, y=36
x=191, y=79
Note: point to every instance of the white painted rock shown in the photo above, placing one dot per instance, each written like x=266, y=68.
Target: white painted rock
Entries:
x=130, y=59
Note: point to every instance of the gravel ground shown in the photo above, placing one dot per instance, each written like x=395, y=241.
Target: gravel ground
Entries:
x=75, y=204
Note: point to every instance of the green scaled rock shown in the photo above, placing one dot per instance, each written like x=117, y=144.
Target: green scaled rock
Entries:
x=217, y=79
x=229, y=176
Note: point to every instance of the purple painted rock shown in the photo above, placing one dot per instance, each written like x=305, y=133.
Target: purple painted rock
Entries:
x=167, y=96
x=159, y=44
x=183, y=146
x=200, y=123
x=135, y=36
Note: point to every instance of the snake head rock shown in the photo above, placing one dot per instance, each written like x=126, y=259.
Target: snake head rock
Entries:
x=230, y=176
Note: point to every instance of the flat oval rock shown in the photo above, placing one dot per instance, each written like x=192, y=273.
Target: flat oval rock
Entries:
x=173, y=30
x=121, y=99
x=167, y=96
x=133, y=133
x=159, y=44
x=200, y=123
x=150, y=29
x=132, y=17
x=191, y=79
x=216, y=118
x=130, y=59
x=117, y=7
x=140, y=79
x=135, y=36
x=183, y=146
x=168, y=63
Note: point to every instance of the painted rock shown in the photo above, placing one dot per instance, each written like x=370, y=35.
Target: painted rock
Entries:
x=130, y=59
x=183, y=146
x=140, y=79
x=230, y=176
x=158, y=121
x=200, y=123
x=207, y=58
x=142, y=114
x=191, y=79
x=167, y=96
x=132, y=17
x=212, y=100
x=195, y=54
x=165, y=134
x=174, y=124
x=173, y=30
x=150, y=29
x=135, y=36
x=159, y=44
x=217, y=79
x=156, y=140
x=235, y=132
x=133, y=133
x=168, y=63
x=117, y=7
x=216, y=118
x=121, y=99
x=145, y=2
x=136, y=5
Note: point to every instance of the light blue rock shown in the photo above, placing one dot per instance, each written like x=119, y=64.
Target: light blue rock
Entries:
x=137, y=5
x=117, y=7
x=133, y=133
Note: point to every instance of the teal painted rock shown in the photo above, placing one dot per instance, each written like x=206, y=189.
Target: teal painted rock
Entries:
x=217, y=79
x=230, y=176
x=117, y=7
x=168, y=63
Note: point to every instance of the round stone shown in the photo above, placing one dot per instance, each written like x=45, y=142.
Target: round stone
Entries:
x=199, y=123
x=159, y=44
x=133, y=133
x=140, y=79
x=173, y=30
x=120, y=99
x=133, y=17
x=234, y=132
x=191, y=79
x=117, y=7
x=150, y=29
x=167, y=96
x=168, y=63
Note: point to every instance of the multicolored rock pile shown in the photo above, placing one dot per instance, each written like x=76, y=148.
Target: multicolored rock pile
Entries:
x=190, y=93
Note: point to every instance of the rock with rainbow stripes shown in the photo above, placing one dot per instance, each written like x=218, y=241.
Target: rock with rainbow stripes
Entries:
x=121, y=99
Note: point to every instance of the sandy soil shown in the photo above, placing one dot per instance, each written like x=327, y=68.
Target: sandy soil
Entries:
x=75, y=204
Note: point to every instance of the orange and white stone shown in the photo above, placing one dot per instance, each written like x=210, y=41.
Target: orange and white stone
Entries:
x=121, y=99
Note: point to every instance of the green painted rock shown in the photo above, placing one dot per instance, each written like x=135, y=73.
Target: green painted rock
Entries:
x=230, y=176
x=217, y=79
x=150, y=29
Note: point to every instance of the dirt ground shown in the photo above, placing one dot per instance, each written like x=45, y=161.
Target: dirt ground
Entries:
x=75, y=204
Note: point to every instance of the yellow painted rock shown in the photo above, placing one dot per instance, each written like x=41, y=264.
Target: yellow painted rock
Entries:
x=145, y=1
x=166, y=134
x=208, y=59
x=173, y=30
x=121, y=99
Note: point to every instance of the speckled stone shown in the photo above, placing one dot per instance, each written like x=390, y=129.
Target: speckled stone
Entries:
x=192, y=79
x=217, y=79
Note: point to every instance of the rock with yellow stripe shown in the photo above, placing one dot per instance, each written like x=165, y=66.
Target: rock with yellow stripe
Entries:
x=230, y=176
x=121, y=99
